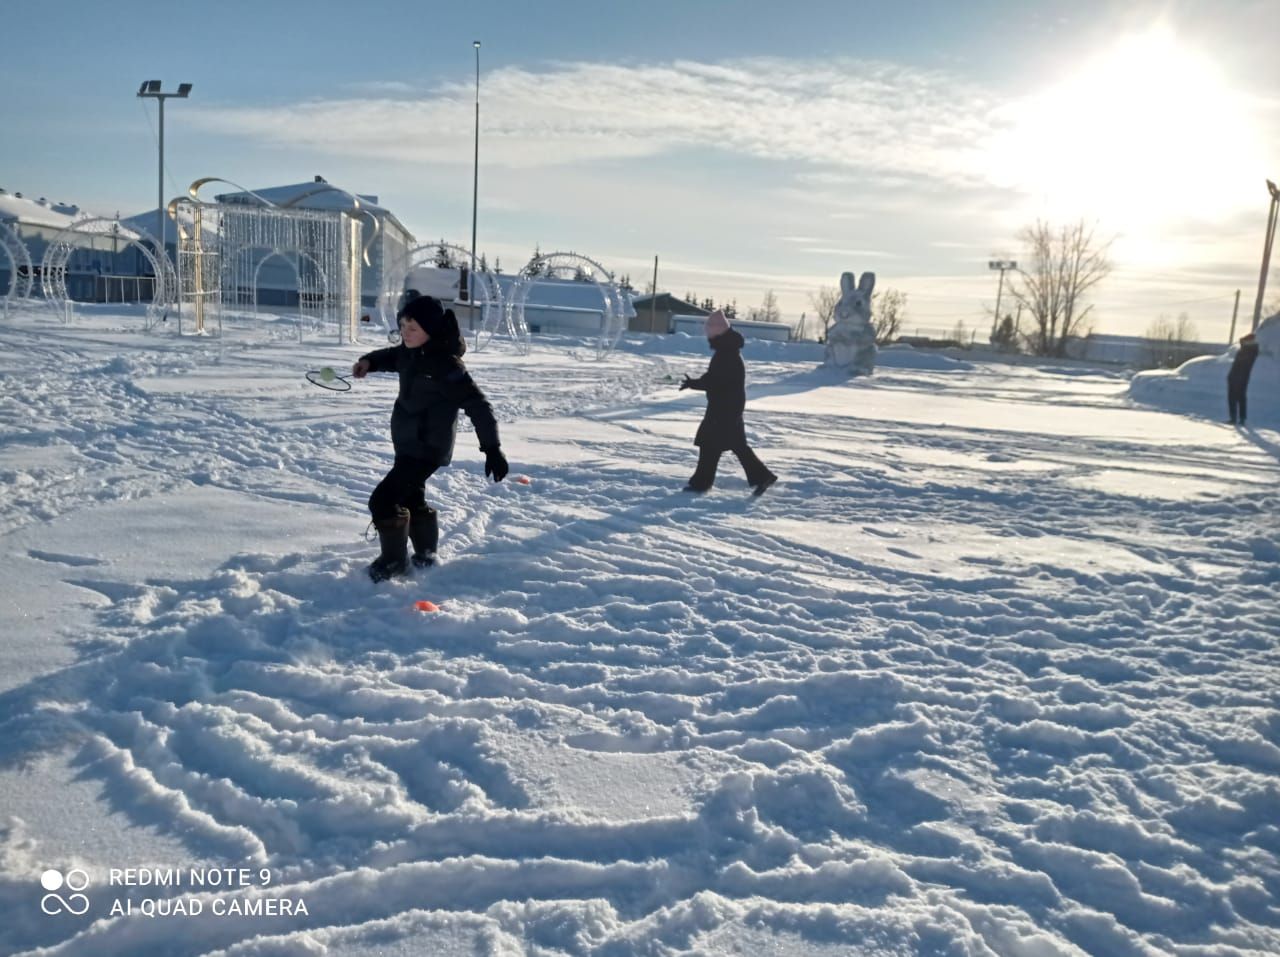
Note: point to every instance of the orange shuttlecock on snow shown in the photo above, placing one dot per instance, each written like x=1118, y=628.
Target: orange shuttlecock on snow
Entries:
x=524, y=480
x=425, y=605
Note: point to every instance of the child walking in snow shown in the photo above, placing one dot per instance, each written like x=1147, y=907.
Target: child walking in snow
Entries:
x=722, y=429
x=434, y=385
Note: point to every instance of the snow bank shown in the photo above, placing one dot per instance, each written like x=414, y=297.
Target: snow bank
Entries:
x=1199, y=386
x=990, y=670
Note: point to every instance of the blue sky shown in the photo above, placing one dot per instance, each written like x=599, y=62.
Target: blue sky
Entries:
x=752, y=146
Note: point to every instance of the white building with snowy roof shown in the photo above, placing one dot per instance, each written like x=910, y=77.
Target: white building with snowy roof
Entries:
x=104, y=266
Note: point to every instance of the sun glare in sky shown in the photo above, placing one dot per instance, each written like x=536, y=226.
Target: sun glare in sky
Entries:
x=1145, y=133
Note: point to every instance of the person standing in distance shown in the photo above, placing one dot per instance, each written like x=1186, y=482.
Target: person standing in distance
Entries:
x=722, y=429
x=1238, y=379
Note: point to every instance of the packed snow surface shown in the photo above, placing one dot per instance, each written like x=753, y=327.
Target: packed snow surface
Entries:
x=992, y=670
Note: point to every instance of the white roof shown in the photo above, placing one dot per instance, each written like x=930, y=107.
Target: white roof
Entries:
x=317, y=197
x=149, y=223
x=332, y=197
x=37, y=212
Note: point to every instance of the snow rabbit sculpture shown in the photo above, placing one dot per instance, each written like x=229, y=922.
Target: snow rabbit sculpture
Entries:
x=851, y=341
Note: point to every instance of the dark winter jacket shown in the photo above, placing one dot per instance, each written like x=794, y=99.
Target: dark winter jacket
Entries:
x=1243, y=364
x=434, y=385
x=725, y=385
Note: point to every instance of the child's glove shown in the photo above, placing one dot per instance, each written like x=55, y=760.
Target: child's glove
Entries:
x=686, y=383
x=361, y=368
x=495, y=464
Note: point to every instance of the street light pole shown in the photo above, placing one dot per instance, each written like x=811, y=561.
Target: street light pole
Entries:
x=1266, y=251
x=150, y=89
x=1002, y=265
x=475, y=190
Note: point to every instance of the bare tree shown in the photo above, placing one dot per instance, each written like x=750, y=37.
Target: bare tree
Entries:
x=824, y=307
x=1063, y=265
x=888, y=312
x=768, y=311
x=1170, y=342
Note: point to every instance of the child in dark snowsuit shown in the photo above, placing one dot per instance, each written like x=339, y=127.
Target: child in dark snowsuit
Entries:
x=434, y=385
x=1238, y=378
x=722, y=429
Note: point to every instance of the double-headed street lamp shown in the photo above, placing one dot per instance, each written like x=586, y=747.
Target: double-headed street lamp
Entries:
x=1002, y=265
x=150, y=89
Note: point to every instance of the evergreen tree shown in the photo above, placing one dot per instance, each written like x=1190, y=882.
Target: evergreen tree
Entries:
x=534, y=268
x=1005, y=337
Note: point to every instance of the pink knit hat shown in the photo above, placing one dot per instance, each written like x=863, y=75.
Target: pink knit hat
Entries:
x=717, y=323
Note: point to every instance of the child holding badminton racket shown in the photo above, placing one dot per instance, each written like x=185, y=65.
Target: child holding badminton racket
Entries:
x=434, y=385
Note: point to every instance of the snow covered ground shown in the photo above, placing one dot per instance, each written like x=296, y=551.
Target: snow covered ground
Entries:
x=992, y=670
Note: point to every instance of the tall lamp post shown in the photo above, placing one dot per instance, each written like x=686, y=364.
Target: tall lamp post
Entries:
x=475, y=191
x=1002, y=265
x=150, y=89
x=1266, y=251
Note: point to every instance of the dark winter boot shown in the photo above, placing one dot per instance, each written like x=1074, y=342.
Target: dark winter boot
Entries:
x=424, y=531
x=763, y=485
x=393, y=536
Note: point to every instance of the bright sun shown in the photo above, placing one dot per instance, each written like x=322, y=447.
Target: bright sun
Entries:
x=1146, y=132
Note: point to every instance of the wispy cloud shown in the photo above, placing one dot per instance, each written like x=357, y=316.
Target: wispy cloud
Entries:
x=871, y=117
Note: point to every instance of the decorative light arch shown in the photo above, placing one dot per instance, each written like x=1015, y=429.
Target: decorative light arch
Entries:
x=20, y=269
x=53, y=268
x=613, y=314
x=216, y=258
x=485, y=292
x=312, y=287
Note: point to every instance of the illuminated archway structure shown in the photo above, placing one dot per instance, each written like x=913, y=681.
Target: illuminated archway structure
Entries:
x=95, y=232
x=309, y=278
x=484, y=290
x=566, y=266
x=20, y=269
x=222, y=246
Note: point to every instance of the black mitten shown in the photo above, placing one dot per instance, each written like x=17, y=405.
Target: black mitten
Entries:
x=495, y=464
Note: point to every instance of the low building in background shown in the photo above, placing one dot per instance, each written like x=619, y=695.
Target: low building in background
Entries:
x=658, y=313
x=103, y=267
x=1139, y=351
x=750, y=328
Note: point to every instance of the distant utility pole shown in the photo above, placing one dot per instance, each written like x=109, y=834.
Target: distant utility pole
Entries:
x=1002, y=265
x=1266, y=251
x=653, y=303
x=475, y=195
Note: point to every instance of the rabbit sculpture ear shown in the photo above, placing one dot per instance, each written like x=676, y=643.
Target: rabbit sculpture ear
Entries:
x=846, y=283
x=866, y=284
